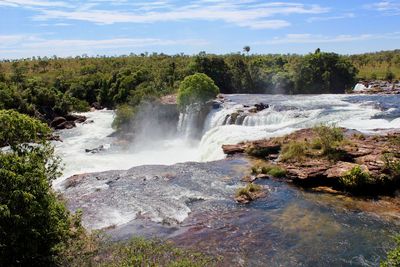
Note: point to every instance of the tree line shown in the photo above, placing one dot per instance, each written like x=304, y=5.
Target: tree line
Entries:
x=49, y=87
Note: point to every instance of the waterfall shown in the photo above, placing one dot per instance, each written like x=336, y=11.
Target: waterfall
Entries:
x=192, y=120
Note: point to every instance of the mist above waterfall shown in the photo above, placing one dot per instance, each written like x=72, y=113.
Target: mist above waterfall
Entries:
x=163, y=136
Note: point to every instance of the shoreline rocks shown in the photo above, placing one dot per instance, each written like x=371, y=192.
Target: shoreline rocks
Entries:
x=67, y=122
x=364, y=151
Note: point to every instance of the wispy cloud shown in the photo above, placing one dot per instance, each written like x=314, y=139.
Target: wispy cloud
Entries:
x=327, y=18
x=255, y=14
x=319, y=39
x=29, y=45
x=386, y=7
x=33, y=3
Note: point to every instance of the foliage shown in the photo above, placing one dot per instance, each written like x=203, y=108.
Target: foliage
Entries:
x=123, y=117
x=276, y=171
x=356, y=179
x=248, y=189
x=33, y=222
x=323, y=73
x=294, y=150
x=261, y=152
x=49, y=87
x=151, y=252
x=393, y=256
x=329, y=137
x=392, y=165
x=16, y=128
x=269, y=169
x=197, y=88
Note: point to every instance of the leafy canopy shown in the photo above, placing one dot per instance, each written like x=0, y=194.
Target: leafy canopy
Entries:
x=197, y=88
x=33, y=222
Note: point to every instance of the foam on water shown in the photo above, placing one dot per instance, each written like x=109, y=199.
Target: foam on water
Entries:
x=285, y=114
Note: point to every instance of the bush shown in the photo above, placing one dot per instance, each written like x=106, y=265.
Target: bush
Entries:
x=261, y=152
x=271, y=170
x=277, y=172
x=123, y=117
x=393, y=256
x=16, y=128
x=247, y=190
x=154, y=252
x=355, y=179
x=197, y=88
x=329, y=137
x=392, y=165
x=34, y=224
x=294, y=150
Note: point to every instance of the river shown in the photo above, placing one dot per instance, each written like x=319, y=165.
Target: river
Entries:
x=191, y=202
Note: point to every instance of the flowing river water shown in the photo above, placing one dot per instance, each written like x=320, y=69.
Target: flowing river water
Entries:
x=183, y=187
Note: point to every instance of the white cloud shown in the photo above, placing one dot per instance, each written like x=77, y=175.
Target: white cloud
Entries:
x=318, y=39
x=33, y=3
x=386, y=7
x=254, y=14
x=343, y=16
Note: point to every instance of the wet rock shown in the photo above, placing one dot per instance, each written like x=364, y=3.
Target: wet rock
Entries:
x=57, y=121
x=249, y=178
x=251, y=196
x=75, y=118
x=65, y=125
x=233, y=149
x=216, y=104
x=262, y=176
x=97, y=149
x=96, y=105
x=316, y=169
x=261, y=106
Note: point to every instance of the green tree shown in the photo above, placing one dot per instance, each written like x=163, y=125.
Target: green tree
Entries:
x=323, y=73
x=196, y=88
x=33, y=223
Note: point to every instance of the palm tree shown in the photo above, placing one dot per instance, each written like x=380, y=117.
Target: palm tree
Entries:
x=246, y=49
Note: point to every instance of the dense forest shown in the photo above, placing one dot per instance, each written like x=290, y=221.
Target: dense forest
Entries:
x=48, y=87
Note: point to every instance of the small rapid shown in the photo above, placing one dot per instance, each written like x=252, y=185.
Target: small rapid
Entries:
x=200, y=134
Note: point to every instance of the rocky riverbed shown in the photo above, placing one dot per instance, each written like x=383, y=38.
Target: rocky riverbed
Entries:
x=193, y=205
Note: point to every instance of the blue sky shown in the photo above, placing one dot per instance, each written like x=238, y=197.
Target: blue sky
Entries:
x=100, y=27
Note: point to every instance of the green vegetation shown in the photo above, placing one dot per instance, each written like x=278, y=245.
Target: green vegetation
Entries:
x=123, y=117
x=392, y=166
x=49, y=87
x=393, y=256
x=36, y=229
x=248, y=190
x=294, y=150
x=34, y=224
x=329, y=137
x=260, y=152
x=197, y=88
x=379, y=65
x=323, y=73
x=272, y=170
x=356, y=179
x=143, y=252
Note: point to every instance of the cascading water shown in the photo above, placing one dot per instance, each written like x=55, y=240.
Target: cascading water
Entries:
x=192, y=202
x=234, y=121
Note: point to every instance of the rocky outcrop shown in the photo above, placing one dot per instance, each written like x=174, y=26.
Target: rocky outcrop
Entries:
x=315, y=169
x=67, y=122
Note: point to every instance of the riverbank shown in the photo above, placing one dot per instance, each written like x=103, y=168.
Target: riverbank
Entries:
x=342, y=159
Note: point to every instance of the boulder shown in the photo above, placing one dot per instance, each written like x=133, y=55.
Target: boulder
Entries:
x=96, y=105
x=233, y=149
x=57, y=121
x=261, y=106
x=75, y=118
x=65, y=125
